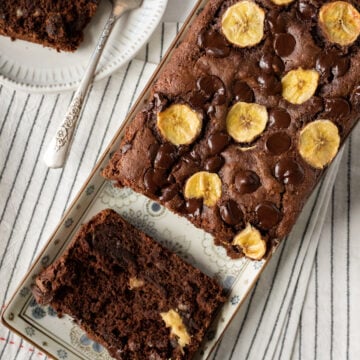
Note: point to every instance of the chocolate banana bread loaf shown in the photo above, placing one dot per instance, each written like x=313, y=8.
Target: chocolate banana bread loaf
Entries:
x=129, y=293
x=246, y=116
x=55, y=23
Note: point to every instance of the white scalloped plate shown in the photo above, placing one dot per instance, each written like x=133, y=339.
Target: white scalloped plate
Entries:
x=34, y=68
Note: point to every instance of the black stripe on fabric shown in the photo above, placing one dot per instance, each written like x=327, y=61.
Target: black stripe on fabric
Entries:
x=23, y=200
x=137, y=85
x=244, y=320
x=19, y=348
x=14, y=137
x=349, y=163
x=5, y=345
x=286, y=326
x=16, y=177
x=332, y=274
x=7, y=112
x=112, y=111
x=1, y=87
x=267, y=300
x=162, y=40
x=217, y=350
x=300, y=335
x=52, y=200
x=293, y=267
x=316, y=306
x=22, y=156
x=87, y=143
x=48, y=212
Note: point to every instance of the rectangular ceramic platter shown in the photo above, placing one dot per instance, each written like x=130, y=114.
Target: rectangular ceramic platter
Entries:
x=62, y=338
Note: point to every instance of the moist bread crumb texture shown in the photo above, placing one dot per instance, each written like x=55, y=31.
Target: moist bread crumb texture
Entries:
x=54, y=23
x=246, y=116
x=129, y=293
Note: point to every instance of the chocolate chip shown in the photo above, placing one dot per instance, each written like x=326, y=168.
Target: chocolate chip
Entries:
x=218, y=142
x=247, y=182
x=279, y=118
x=331, y=62
x=269, y=84
x=214, y=164
x=325, y=62
x=197, y=100
x=210, y=85
x=169, y=192
x=284, y=44
x=337, y=108
x=278, y=143
x=165, y=157
x=268, y=215
x=306, y=11
x=289, y=172
x=340, y=67
x=231, y=213
x=213, y=43
x=242, y=92
x=194, y=206
x=154, y=179
x=271, y=64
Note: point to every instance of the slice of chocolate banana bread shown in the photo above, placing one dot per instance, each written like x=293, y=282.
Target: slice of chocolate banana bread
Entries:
x=129, y=293
x=55, y=23
x=245, y=117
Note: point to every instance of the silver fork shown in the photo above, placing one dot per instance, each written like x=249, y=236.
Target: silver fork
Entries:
x=58, y=149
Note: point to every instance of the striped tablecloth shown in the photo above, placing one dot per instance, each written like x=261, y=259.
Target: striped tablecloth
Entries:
x=305, y=305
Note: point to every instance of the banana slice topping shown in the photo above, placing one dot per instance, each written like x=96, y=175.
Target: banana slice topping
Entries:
x=204, y=185
x=246, y=121
x=299, y=85
x=179, y=124
x=243, y=24
x=319, y=143
x=340, y=22
x=250, y=242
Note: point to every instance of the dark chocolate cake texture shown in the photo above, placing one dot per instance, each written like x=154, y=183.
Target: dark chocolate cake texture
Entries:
x=54, y=23
x=243, y=120
x=129, y=293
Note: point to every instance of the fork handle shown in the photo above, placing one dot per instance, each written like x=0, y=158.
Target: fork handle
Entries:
x=59, y=146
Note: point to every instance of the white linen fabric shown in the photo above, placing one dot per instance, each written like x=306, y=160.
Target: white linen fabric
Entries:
x=305, y=305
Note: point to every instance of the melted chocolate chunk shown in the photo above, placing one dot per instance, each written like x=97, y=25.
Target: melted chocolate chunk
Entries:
x=284, y=44
x=214, y=164
x=194, y=206
x=211, y=86
x=242, y=91
x=331, y=63
x=197, y=100
x=268, y=215
x=152, y=151
x=289, y=172
x=340, y=67
x=306, y=11
x=169, y=192
x=269, y=84
x=154, y=179
x=278, y=143
x=213, y=43
x=279, y=118
x=337, y=108
x=247, y=182
x=218, y=142
x=271, y=64
x=165, y=157
x=231, y=213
